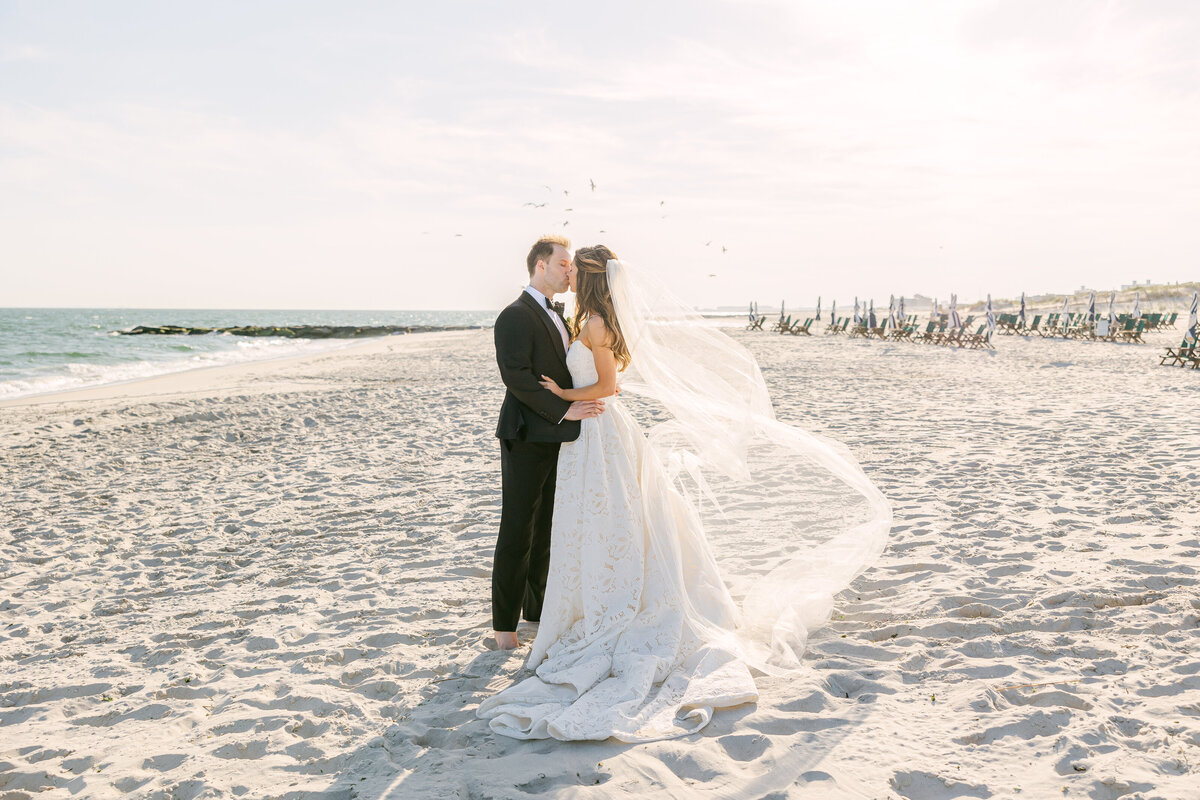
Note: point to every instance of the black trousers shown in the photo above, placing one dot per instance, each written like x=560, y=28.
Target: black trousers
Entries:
x=522, y=561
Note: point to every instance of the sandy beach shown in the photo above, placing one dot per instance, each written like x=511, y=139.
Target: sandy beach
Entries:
x=271, y=581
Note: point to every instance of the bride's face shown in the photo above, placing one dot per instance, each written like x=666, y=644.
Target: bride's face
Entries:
x=571, y=273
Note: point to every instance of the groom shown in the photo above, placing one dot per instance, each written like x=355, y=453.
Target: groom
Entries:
x=531, y=341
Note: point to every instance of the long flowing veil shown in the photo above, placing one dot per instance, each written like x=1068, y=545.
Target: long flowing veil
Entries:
x=765, y=521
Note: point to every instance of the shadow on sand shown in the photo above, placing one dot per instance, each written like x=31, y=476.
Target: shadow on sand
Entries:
x=439, y=749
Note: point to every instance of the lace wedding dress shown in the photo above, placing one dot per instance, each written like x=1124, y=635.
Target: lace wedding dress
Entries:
x=615, y=654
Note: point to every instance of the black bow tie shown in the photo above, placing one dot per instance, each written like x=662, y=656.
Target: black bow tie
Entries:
x=557, y=308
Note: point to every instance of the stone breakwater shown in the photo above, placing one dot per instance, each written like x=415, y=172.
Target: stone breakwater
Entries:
x=295, y=331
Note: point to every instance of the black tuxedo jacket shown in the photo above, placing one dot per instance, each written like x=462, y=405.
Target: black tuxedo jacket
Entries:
x=528, y=346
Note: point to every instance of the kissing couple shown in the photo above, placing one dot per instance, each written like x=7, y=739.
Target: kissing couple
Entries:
x=608, y=537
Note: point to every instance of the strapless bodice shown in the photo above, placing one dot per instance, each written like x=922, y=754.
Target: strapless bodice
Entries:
x=581, y=365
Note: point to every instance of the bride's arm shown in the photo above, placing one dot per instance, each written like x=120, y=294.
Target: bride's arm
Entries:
x=595, y=336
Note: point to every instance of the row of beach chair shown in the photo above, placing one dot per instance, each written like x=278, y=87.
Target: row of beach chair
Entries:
x=1078, y=326
x=797, y=328
x=909, y=330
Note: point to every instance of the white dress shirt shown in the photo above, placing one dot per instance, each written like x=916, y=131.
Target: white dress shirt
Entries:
x=558, y=323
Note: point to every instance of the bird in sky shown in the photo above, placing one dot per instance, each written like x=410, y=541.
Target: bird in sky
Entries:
x=535, y=205
x=724, y=249
x=706, y=244
x=548, y=189
x=565, y=193
x=566, y=222
x=458, y=234
x=662, y=202
x=604, y=231
x=568, y=209
x=593, y=183
x=712, y=274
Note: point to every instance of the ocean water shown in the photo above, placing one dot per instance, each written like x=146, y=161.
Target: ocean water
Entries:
x=45, y=350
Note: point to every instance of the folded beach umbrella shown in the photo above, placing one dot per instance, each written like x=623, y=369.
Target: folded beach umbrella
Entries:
x=833, y=311
x=1066, y=312
x=1137, y=305
x=1021, y=314
x=933, y=312
x=871, y=315
x=900, y=309
x=991, y=318
x=955, y=320
x=1193, y=328
x=818, y=308
x=1112, y=313
x=752, y=311
x=1091, y=307
x=892, y=310
x=857, y=315
x=782, y=306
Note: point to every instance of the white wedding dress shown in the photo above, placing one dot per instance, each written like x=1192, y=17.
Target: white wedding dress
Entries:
x=615, y=655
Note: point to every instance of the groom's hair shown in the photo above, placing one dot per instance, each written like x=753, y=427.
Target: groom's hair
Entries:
x=543, y=248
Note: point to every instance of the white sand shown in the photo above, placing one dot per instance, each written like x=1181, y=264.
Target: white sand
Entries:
x=271, y=580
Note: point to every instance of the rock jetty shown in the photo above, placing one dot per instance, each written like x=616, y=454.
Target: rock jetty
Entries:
x=295, y=331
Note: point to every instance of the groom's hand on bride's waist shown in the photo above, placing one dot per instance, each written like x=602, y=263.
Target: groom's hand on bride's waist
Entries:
x=584, y=409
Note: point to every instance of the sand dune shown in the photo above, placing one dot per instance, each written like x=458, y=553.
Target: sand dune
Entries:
x=272, y=581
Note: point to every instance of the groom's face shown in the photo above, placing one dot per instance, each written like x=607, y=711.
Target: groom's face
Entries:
x=558, y=269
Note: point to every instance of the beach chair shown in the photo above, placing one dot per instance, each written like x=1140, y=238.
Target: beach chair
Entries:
x=1170, y=321
x=976, y=340
x=1179, y=356
x=836, y=326
x=798, y=328
x=1135, y=333
x=756, y=323
x=953, y=337
x=881, y=331
x=1047, y=330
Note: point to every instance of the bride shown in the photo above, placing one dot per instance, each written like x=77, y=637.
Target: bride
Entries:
x=640, y=638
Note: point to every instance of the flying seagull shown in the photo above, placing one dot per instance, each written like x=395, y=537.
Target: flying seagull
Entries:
x=566, y=223
x=565, y=192
x=706, y=244
x=535, y=205
x=724, y=249
x=662, y=202
x=593, y=183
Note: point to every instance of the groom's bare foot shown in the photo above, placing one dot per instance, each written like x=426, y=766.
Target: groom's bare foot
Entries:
x=506, y=640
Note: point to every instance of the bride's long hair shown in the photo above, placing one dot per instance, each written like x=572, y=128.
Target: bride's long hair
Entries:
x=593, y=298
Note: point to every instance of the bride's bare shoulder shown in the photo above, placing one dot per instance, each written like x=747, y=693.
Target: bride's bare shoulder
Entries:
x=595, y=332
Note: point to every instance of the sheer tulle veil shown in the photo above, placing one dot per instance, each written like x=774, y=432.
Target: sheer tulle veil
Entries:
x=766, y=521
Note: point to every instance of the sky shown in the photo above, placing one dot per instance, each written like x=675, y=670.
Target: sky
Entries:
x=397, y=155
